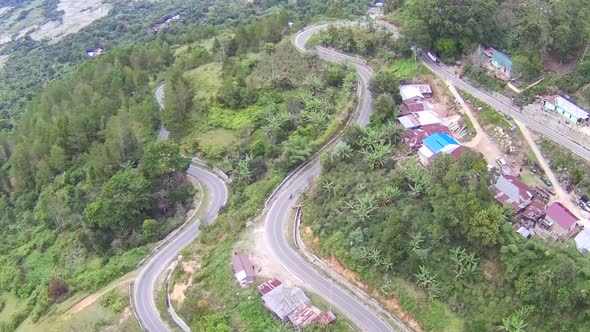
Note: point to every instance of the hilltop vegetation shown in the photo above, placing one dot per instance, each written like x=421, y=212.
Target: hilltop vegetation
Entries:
x=84, y=186
x=440, y=229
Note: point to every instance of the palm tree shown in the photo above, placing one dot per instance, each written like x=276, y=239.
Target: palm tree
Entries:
x=342, y=151
x=423, y=277
x=313, y=105
x=313, y=83
x=275, y=121
x=328, y=186
x=318, y=119
x=361, y=46
x=416, y=176
x=387, y=194
x=128, y=164
x=373, y=136
x=376, y=156
x=363, y=208
x=512, y=324
x=416, y=242
x=345, y=45
x=395, y=132
x=375, y=256
x=243, y=171
x=464, y=263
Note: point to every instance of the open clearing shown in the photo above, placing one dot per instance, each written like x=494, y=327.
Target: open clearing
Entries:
x=204, y=80
x=76, y=15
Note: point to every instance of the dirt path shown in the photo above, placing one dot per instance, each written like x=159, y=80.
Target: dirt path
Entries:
x=481, y=141
x=561, y=195
x=90, y=299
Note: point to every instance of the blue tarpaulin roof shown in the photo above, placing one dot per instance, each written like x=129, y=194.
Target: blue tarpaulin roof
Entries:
x=502, y=59
x=438, y=141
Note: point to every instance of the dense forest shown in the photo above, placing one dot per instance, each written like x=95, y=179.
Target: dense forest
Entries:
x=440, y=229
x=545, y=39
x=84, y=178
x=528, y=28
x=85, y=187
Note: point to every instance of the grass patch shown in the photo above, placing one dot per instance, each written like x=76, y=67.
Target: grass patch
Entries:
x=204, y=80
x=487, y=115
x=531, y=179
x=432, y=316
x=406, y=68
x=95, y=317
x=233, y=119
x=11, y=306
x=484, y=80
x=567, y=166
x=469, y=125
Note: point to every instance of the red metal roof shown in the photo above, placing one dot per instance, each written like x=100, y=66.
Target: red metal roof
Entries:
x=535, y=210
x=457, y=152
x=413, y=138
x=269, y=285
x=561, y=215
x=304, y=314
x=436, y=128
x=240, y=262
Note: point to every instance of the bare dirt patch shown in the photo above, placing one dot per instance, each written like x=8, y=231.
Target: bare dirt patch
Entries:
x=77, y=15
x=90, y=299
x=253, y=242
x=178, y=293
x=551, y=63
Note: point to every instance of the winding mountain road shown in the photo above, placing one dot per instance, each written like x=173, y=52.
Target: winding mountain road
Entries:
x=281, y=203
x=277, y=217
x=144, y=286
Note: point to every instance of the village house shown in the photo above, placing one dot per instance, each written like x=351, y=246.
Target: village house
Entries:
x=435, y=144
x=243, y=269
x=413, y=138
x=418, y=119
x=566, y=108
x=560, y=220
x=94, y=52
x=410, y=107
x=414, y=92
x=290, y=304
x=513, y=192
x=535, y=211
x=159, y=26
x=524, y=232
x=500, y=64
x=583, y=241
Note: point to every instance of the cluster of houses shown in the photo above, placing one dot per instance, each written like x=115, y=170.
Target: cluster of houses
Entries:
x=425, y=132
x=94, y=52
x=554, y=221
x=287, y=303
x=428, y=136
x=566, y=108
x=159, y=26
x=374, y=11
x=500, y=66
x=290, y=304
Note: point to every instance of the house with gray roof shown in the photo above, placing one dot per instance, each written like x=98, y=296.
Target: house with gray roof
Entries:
x=283, y=300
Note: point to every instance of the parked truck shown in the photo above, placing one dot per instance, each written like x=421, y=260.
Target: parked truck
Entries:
x=432, y=56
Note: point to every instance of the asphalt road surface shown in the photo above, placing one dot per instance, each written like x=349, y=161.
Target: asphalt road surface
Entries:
x=159, y=93
x=282, y=203
x=143, y=288
x=507, y=109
